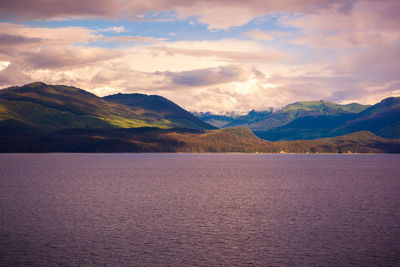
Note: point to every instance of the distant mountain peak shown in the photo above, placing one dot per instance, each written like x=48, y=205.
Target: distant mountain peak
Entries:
x=35, y=84
x=390, y=101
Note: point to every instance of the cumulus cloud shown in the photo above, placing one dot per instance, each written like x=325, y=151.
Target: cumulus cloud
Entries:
x=66, y=56
x=4, y=64
x=11, y=74
x=255, y=92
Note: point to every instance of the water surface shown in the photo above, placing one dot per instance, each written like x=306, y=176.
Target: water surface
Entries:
x=199, y=209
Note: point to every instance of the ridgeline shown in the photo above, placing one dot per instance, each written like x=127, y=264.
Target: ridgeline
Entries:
x=56, y=118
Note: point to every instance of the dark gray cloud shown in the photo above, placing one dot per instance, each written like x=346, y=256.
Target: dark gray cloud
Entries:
x=47, y=9
x=11, y=39
x=209, y=76
x=14, y=45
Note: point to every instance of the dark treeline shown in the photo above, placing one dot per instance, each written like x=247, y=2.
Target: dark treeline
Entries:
x=150, y=139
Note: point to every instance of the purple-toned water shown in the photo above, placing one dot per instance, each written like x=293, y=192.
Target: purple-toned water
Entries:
x=199, y=209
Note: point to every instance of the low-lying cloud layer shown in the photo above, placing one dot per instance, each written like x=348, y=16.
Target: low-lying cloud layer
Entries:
x=267, y=53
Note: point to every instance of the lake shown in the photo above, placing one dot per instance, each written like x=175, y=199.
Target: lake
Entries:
x=199, y=209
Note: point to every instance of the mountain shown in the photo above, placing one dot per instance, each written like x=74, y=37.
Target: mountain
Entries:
x=53, y=107
x=318, y=119
x=382, y=119
x=251, y=118
x=306, y=128
x=265, y=120
x=270, y=118
x=164, y=108
x=219, y=121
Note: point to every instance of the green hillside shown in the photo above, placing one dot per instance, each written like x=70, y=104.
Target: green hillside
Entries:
x=382, y=119
x=53, y=107
x=161, y=106
x=306, y=128
x=324, y=107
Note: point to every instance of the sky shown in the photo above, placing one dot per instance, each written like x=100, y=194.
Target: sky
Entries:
x=207, y=55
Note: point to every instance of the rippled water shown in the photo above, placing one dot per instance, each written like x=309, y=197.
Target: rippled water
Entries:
x=199, y=209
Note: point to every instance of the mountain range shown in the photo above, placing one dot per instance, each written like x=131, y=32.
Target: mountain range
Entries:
x=56, y=118
x=317, y=119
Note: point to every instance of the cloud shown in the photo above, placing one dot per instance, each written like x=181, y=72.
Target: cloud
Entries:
x=17, y=39
x=378, y=64
x=227, y=50
x=7, y=40
x=214, y=13
x=366, y=15
x=254, y=92
x=11, y=74
x=4, y=64
x=217, y=15
x=131, y=38
x=347, y=39
x=45, y=9
x=59, y=57
x=209, y=76
x=231, y=56
x=116, y=29
x=256, y=34
x=173, y=81
x=367, y=23
x=65, y=35
x=189, y=55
